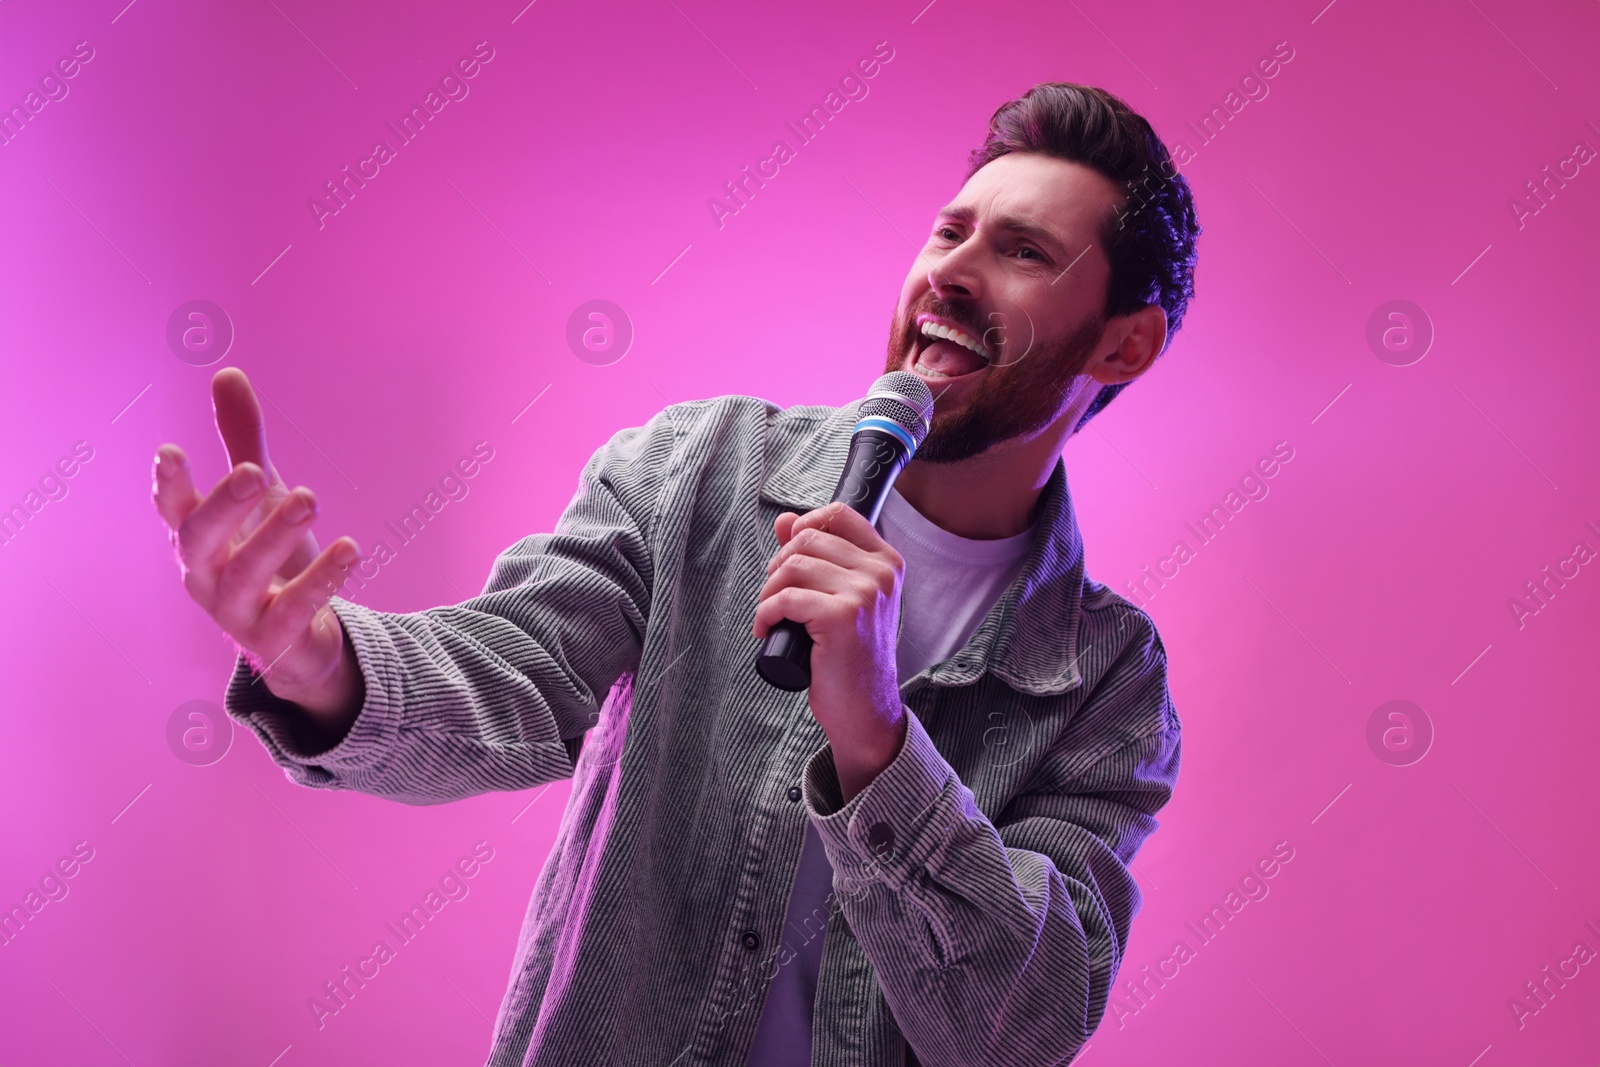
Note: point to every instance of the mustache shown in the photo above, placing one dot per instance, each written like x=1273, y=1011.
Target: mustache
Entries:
x=962, y=315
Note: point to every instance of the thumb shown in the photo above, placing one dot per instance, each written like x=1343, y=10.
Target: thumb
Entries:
x=784, y=527
x=239, y=421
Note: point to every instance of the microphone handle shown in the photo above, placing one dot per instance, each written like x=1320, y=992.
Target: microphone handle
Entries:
x=875, y=460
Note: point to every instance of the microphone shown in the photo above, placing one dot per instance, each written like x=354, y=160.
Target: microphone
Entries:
x=891, y=421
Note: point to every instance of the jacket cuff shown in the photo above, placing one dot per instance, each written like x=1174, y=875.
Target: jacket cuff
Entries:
x=371, y=736
x=890, y=828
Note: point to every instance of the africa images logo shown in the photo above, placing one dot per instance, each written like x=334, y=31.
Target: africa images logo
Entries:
x=452, y=87
x=852, y=87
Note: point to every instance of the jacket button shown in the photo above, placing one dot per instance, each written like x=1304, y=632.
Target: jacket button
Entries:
x=751, y=940
x=880, y=838
x=795, y=793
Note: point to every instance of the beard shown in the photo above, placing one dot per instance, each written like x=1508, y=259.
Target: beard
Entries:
x=1016, y=398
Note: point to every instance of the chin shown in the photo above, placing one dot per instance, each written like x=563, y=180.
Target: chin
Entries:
x=956, y=439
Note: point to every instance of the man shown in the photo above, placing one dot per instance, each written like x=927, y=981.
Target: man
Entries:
x=922, y=859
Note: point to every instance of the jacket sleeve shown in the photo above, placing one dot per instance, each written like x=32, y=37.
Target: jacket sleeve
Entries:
x=494, y=693
x=998, y=942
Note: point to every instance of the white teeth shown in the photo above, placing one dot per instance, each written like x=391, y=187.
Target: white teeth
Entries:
x=928, y=372
x=934, y=329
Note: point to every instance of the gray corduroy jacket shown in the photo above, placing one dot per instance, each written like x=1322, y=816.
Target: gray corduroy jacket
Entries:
x=982, y=897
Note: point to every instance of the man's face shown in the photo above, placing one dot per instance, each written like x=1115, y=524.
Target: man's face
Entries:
x=1015, y=264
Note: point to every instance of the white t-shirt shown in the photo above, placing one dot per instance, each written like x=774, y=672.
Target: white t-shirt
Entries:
x=950, y=584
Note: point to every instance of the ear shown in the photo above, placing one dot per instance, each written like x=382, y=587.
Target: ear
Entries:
x=1138, y=338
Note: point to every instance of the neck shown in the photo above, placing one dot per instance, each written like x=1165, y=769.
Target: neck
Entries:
x=987, y=496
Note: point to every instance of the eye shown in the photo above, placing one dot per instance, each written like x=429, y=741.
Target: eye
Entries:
x=1034, y=252
x=940, y=231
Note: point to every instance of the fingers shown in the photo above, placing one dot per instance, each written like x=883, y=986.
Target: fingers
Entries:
x=820, y=573
x=297, y=603
x=813, y=572
x=804, y=606
x=246, y=576
x=835, y=532
x=239, y=421
x=841, y=521
x=204, y=535
x=782, y=526
x=244, y=434
x=172, y=487
x=815, y=542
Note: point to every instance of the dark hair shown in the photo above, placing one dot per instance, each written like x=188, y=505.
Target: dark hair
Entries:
x=1150, y=237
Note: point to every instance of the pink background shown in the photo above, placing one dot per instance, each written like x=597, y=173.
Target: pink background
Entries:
x=432, y=310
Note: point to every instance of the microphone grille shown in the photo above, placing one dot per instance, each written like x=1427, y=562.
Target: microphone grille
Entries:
x=903, y=398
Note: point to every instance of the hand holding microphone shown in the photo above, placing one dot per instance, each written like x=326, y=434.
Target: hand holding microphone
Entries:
x=892, y=422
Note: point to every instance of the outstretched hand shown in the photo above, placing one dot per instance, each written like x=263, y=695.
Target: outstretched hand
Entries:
x=249, y=559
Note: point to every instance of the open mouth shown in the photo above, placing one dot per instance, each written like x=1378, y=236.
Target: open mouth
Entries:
x=944, y=350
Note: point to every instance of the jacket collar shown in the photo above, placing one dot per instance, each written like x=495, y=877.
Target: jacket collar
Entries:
x=1029, y=639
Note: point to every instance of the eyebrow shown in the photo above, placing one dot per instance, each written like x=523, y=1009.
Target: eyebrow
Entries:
x=1014, y=223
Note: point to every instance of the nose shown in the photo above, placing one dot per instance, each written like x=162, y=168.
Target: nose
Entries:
x=946, y=286
x=956, y=276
